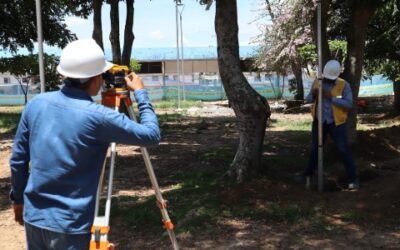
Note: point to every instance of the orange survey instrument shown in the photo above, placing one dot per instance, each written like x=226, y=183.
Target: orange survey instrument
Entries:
x=116, y=98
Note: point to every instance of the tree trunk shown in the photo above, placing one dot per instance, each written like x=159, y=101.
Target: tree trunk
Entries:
x=396, y=90
x=360, y=15
x=128, y=34
x=298, y=74
x=25, y=91
x=114, y=33
x=324, y=36
x=97, y=24
x=251, y=109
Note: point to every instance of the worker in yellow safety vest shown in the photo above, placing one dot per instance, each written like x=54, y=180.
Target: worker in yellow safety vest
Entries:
x=337, y=100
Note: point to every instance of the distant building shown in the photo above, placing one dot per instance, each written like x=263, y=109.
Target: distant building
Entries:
x=196, y=60
x=6, y=78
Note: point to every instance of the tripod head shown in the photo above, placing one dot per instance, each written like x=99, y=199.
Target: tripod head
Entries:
x=115, y=77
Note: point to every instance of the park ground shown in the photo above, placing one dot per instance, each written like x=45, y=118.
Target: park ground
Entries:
x=268, y=211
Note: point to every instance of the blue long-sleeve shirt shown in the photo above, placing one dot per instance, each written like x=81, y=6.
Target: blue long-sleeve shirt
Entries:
x=344, y=101
x=59, y=150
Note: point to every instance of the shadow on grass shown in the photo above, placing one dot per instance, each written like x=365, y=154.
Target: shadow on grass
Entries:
x=193, y=156
x=190, y=162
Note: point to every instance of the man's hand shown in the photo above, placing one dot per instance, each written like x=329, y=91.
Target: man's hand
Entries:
x=18, y=213
x=134, y=82
x=328, y=95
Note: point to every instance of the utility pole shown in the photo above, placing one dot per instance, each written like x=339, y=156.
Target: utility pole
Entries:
x=182, y=57
x=320, y=100
x=40, y=44
x=177, y=3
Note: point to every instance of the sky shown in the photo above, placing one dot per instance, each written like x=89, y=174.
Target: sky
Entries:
x=155, y=24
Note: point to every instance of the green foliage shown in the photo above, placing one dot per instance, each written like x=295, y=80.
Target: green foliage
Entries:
x=18, y=22
x=383, y=49
x=308, y=53
x=134, y=65
x=338, y=49
x=9, y=119
x=280, y=40
x=392, y=70
x=28, y=66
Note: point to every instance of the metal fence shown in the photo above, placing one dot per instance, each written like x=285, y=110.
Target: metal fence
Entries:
x=208, y=87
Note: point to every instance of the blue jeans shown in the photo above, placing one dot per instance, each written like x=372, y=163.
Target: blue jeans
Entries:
x=42, y=239
x=339, y=136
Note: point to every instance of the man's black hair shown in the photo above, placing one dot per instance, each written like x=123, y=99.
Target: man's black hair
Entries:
x=78, y=83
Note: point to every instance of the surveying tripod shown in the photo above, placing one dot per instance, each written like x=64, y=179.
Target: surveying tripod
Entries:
x=114, y=98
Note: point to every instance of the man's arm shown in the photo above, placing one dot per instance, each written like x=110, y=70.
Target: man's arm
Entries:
x=313, y=94
x=19, y=161
x=119, y=128
x=347, y=98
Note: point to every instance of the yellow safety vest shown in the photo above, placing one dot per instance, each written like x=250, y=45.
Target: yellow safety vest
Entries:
x=339, y=113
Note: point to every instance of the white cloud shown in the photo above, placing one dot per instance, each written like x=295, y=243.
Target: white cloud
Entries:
x=157, y=35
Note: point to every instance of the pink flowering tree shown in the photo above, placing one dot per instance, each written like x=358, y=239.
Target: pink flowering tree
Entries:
x=288, y=30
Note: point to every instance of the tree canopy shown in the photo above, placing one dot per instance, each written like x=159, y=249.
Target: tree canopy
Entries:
x=27, y=66
x=18, y=22
x=383, y=49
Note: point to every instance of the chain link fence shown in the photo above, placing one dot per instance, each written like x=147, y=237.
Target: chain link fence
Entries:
x=206, y=87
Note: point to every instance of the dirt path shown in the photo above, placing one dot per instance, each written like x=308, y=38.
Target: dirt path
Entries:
x=12, y=236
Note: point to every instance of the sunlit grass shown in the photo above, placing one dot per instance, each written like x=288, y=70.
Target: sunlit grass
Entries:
x=384, y=123
x=9, y=118
x=174, y=104
x=290, y=122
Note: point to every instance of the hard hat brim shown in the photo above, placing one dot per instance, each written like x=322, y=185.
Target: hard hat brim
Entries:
x=107, y=66
x=331, y=77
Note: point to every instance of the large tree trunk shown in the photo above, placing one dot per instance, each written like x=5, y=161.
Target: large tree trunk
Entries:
x=251, y=109
x=360, y=15
x=298, y=74
x=396, y=90
x=128, y=34
x=97, y=25
x=114, y=33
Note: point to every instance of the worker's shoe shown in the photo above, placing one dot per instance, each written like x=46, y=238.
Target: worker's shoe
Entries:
x=303, y=180
x=353, y=186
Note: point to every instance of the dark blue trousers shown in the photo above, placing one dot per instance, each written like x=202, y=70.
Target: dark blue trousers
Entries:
x=339, y=136
x=42, y=239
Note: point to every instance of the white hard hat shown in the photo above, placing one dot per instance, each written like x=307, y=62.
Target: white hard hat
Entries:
x=332, y=69
x=82, y=59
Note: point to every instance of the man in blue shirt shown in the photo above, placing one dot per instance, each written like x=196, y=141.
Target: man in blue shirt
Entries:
x=61, y=144
x=337, y=100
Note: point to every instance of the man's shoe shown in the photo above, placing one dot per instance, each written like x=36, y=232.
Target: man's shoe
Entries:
x=308, y=182
x=303, y=180
x=353, y=186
